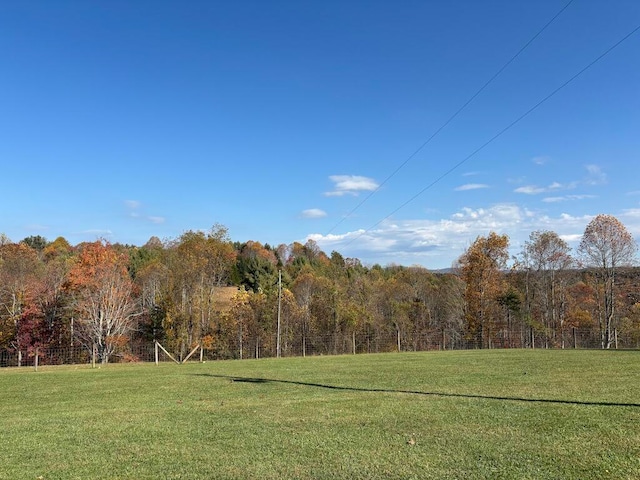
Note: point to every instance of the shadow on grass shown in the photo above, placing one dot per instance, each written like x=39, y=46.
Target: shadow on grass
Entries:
x=418, y=392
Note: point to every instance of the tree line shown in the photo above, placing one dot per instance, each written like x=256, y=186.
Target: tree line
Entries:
x=246, y=299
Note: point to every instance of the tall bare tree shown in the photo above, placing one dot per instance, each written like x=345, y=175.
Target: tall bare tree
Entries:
x=606, y=246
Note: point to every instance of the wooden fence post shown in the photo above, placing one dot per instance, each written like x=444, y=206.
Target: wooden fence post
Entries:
x=190, y=353
x=168, y=354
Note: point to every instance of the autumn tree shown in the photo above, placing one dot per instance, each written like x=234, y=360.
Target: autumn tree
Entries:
x=606, y=246
x=290, y=317
x=37, y=242
x=305, y=287
x=448, y=309
x=547, y=259
x=103, y=303
x=393, y=300
x=481, y=267
x=19, y=274
x=256, y=268
x=199, y=264
x=241, y=315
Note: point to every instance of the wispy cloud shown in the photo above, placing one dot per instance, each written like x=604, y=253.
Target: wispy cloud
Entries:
x=595, y=175
x=350, y=185
x=566, y=198
x=97, y=232
x=134, y=207
x=541, y=160
x=313, y=213
x=470, y=186
x=37, y=227
x=530, y=190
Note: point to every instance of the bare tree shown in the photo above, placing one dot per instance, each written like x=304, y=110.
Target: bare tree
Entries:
x=607, y=245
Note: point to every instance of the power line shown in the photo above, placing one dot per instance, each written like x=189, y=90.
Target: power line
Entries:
x=505, y=129
x=452, y=117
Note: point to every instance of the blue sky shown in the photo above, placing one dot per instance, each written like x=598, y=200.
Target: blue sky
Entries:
x=286, y=120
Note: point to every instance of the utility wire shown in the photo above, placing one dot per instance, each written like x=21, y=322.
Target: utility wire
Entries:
x=452, y=117
x=505, y=129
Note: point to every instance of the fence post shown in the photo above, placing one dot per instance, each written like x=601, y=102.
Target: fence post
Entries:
x=93, y=356
x=168, y=354
x=190, y=353
x=36, y=360
x=156, y=351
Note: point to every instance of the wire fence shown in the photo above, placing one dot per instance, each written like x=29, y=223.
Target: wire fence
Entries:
x=304, y=345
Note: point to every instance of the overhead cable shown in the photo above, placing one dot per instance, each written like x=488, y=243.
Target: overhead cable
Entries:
x=497, y=135
x=452, y=117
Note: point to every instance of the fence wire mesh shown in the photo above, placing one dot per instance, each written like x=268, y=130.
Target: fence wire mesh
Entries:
x=265, y=346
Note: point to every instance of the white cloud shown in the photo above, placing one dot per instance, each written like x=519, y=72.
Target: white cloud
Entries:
x=552, y=187
x=541, y=160
x=351, y=185
x=631, y=219
x=567, y=198
x=632, y=212
x=595, y=175
x=530, y=190
x=97, y=232
x=437, y=243
x=37, y=227
x=313, y=213
x=571, y=237
x=470, y=186
x=135, y=207
x=433, y=243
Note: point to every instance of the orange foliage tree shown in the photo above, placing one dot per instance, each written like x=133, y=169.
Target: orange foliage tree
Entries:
x=103, y=303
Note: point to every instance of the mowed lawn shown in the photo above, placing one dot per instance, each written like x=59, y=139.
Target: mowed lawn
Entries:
x=511, y=414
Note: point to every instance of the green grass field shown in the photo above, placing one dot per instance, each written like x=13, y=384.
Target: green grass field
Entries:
x=467, y=414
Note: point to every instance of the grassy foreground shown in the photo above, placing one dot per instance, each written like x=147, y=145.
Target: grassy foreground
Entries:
x=471, y=414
